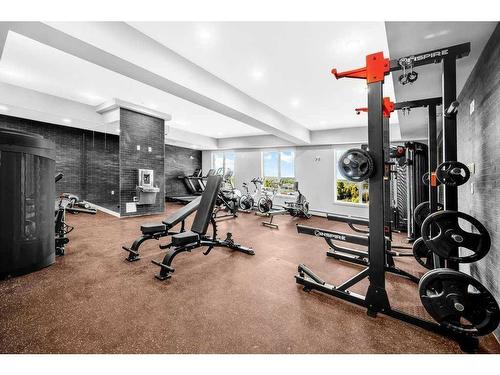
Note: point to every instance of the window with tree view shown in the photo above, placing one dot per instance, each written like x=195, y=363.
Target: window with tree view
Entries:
x=278, y=171
x=348, y=191
x=222, y=162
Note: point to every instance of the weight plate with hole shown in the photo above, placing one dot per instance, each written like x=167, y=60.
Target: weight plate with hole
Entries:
x=423, y=254
x=356, y=165
x=452, y=173
x=422, y=211
x=459, y=302
x=448, y=236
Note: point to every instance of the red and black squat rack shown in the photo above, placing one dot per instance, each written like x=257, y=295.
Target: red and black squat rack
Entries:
x=376, y=299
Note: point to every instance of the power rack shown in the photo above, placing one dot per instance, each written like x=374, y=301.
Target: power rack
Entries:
x=376, y=299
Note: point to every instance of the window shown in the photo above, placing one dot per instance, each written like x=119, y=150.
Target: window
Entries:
x=278, y=171
x=348, y=191
x=223, y=162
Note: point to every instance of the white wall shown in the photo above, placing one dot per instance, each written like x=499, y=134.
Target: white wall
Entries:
x=314, y=169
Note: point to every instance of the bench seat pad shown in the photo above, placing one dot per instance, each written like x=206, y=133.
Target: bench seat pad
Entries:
x=185, y=238
x=151, y=228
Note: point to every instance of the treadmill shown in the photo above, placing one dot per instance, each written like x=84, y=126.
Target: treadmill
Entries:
x=195, y=185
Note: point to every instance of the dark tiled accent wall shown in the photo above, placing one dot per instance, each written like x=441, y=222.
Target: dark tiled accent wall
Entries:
x=479, y=143
x=89, y=160
x=179, y=161
x=146, y=131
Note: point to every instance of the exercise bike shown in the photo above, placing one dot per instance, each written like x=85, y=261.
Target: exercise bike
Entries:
x=265, y=203
x=247, y=200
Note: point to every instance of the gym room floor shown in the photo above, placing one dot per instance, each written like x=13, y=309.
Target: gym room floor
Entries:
x=93, y=301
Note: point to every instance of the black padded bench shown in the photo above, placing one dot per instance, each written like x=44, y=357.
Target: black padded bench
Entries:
x=157, y=230
x=197, y=236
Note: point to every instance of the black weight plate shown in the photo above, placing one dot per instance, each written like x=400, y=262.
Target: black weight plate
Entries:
x=422, y=211
x=356, y=165
x=448, y=236
x=459, y=302
x=452, y=173
x=423, y=254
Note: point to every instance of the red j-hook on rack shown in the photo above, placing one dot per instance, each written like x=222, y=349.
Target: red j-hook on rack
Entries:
x=377, y=67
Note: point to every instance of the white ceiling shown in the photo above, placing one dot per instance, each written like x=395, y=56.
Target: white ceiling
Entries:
x=30, y=64
x=406, y=38
x=282, y=65
x=285, y=65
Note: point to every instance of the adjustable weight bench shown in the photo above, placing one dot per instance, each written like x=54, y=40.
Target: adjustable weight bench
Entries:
x=197, y=236
x=154, y=231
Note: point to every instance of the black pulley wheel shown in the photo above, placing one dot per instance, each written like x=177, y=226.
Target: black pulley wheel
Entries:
x=422, y=211
x=459, y=302
x=423, y=254
x=452, y=173
x=356, y=165
x=447, y=236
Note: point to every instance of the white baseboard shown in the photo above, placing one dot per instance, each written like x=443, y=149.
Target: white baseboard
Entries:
x=105, y=210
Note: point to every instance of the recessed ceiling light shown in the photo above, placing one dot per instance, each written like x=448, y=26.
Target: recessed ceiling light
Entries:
x=323, y=122
x=66, y=120
x=204, y=35
x=257, y=74
x=295, y=102
x=220, y=133
x=4, y=108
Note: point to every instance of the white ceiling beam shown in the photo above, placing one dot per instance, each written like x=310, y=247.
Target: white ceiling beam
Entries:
x=250, y=111
x=256, y=141
x=183, y=138
x=115, y=103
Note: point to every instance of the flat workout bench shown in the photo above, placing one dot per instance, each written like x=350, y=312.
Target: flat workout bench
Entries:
x=197, y=236
x=154, y=231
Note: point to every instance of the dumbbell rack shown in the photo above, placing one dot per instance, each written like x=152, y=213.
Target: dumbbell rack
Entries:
x=376, y=299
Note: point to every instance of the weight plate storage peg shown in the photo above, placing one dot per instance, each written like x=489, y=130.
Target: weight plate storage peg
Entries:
x=422, y=211
x=425, y=179
x=356, y=165
x=423, y=254
x=448, y=236
x=452, y=173
x=459, y=302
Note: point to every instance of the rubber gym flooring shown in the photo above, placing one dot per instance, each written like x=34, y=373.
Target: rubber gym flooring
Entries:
x=93, y=301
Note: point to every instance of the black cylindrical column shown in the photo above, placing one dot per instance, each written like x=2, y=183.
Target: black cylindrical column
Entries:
x=27, y=192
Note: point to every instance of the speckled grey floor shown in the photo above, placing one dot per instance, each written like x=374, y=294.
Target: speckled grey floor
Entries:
x=93, y=301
